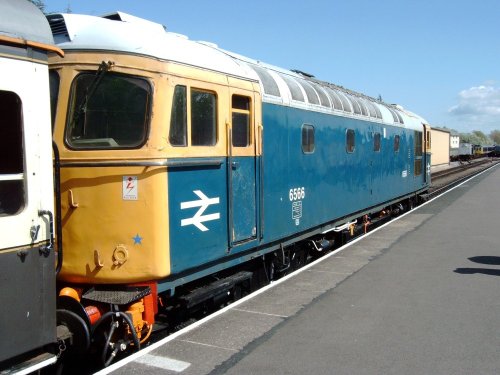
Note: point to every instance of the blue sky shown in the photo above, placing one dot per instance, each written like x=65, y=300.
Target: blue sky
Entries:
x=437, y=58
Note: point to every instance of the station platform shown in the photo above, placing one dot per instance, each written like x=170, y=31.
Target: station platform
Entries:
x=442, y=167
x=417, y=296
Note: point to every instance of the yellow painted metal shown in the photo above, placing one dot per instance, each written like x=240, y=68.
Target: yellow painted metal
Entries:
x=428, y=140
x=106, y=238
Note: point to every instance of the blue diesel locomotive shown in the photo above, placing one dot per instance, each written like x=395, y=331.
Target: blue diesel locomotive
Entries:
x=183, y=165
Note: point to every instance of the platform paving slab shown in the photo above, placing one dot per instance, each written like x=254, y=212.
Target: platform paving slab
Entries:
x=418, y=296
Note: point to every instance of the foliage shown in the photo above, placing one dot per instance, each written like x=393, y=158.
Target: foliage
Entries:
x=477, y=137
x=495, y=136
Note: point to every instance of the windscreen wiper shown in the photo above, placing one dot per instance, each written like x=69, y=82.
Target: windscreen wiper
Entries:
x=104, y=67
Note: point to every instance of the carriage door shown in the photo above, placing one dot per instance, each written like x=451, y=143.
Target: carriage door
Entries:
x=241, y=169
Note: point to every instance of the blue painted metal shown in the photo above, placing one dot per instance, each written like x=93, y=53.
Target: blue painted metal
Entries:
x=336, y=183
x=243, y=198
x=300, y=192
x=200, y=241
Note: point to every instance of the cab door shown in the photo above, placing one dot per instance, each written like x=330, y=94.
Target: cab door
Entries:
x=242, y=168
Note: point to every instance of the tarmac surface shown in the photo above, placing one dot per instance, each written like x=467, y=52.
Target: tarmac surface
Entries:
x=418, y=296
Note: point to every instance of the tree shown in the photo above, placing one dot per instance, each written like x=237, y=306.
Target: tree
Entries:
x=484, y=140
x=477, y=137
x=495, y=136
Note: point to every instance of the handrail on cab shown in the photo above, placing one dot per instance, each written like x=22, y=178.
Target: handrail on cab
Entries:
x=29, y=43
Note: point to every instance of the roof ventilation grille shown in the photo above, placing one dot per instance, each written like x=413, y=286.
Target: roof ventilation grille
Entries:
x=57, y=25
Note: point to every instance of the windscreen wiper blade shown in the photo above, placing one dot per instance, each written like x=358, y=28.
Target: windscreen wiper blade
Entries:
x=104, y=67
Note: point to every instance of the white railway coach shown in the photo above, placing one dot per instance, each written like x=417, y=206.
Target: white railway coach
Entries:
x=27, y=259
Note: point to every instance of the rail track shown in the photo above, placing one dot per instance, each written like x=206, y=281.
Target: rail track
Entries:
x=448, y=178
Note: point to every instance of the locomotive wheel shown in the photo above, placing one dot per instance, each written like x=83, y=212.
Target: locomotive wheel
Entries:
x=298, y=259
x=80, y=340
x=69, y=304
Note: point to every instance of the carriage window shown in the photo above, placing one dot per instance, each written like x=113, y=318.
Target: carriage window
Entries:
x=108, y=110
x=12, y=196
x=350, y=141
x=308, y=145
x=241, y=121
x=396, y=143
x=376, y=142
x=203, y=118
x=178, y=119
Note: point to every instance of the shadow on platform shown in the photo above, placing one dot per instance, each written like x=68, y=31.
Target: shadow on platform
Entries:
x=492, y=260
x=485, y=271
x=486, y=260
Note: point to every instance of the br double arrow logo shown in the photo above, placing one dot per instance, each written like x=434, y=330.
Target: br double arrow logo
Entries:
x=199, y=218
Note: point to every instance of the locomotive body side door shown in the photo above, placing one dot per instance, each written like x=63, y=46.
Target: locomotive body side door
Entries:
x=242, y=174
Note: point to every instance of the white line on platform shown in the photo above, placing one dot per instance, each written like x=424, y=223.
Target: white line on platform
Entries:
x=331, y=272
x=150, y=348
x=164, y=363
x=260, y=313
x=209, y=345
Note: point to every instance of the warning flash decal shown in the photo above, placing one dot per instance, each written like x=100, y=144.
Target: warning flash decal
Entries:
x=130, y=188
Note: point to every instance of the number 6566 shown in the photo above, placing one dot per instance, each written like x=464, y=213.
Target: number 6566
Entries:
x=297, y=193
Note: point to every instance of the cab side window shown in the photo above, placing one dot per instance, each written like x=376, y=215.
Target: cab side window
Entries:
x=202, y=117
x=178, y=119
x=241, y=121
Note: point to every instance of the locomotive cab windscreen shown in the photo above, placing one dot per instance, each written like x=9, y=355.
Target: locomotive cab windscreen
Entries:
x=107, y=110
